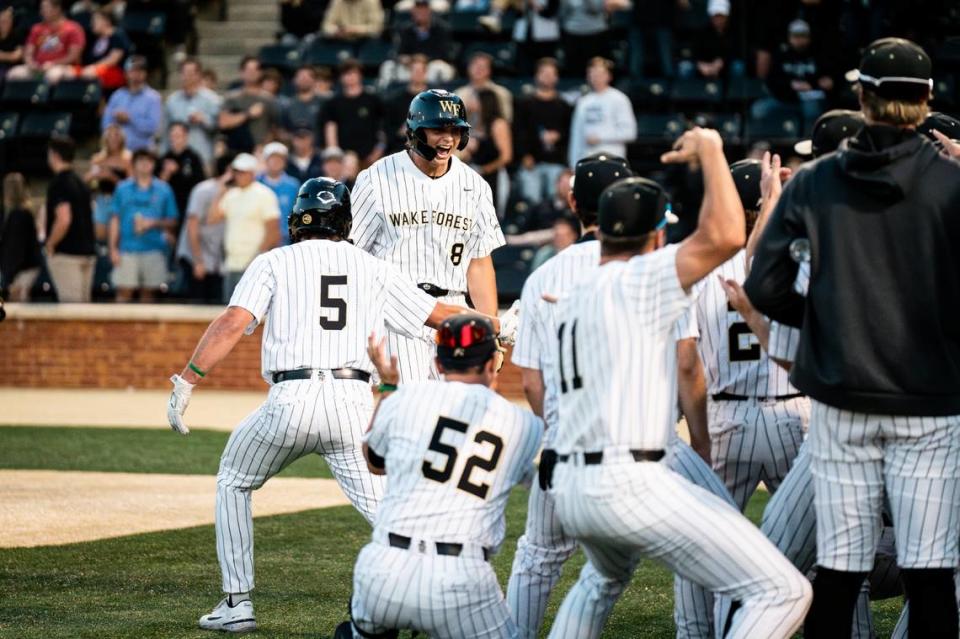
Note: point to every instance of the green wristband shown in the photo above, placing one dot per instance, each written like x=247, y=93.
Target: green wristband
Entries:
x=387, y=388
x=196, y=370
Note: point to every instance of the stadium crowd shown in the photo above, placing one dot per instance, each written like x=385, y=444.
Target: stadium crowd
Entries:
x=190, y=184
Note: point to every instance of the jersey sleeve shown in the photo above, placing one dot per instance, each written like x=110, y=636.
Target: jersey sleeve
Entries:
x=377, y=437
x=255, y=290
x=367, y=214
x=487, y=234
x=529, y=344
x=783, y=342
x=653, y=288
x=406, y=307
x=687, y=326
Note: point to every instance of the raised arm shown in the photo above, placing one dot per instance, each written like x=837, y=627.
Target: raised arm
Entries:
x=720, y=232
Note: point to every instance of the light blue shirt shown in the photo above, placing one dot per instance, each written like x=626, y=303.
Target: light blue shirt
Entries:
x=145, y=109
x=155, y=202
x=286, y=188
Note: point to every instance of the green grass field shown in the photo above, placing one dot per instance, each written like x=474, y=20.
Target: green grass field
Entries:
x=158, y=584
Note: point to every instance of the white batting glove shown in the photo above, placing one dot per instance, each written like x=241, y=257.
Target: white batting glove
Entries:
x=179, y=399
x=510, y=324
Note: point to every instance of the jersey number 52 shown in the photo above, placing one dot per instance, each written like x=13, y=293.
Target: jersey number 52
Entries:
x=443, y=475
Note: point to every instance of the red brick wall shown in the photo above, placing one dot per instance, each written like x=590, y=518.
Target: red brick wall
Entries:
x=71, y=353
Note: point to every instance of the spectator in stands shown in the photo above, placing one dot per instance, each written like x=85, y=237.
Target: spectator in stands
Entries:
x=353, y=119
x=304, y=161
x=541, y=132
x=104, y=57
x=69, y=225
x=536, y=31
x=556, y=205
x=566, y=231
x=11, y=42
x=210, y=80
x=20, y=256
x=108, y=167
x=196, y=106
x=250, y=211
x=200, y=248
x=490, y=149
x=144, y=216
x=353, y=20
x=272, y=82
x=332, y=158
x=479, y=72
x=301, y=18
x=137, y=108
x=397, y=103
x=284, y=186
x=798, y=80
x=249, y=115
x=351, y=168
x=426, y=34
x=181, y=167
x=302, y=109
x=653, y=25
x=603, y=119
x=586, y=25
x=715, y=48
x=53, y=47
x=325, y=88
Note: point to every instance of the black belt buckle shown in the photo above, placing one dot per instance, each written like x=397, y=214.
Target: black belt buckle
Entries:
x=433, y=289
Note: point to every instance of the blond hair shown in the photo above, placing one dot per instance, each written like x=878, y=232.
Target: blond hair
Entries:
x=15, y=193
x=893, y=112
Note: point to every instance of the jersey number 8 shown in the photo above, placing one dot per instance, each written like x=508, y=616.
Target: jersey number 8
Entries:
x=443, y=475
x=456, y=253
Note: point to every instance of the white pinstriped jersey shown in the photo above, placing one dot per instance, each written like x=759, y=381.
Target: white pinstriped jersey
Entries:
x=617, y=356
x=453, y=451
x=321, y=300
x=733, y=360
x=429, y=228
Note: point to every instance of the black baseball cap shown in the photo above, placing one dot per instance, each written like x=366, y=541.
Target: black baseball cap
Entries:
x=465, y=340
x=633, y=207
x=829, y=131
x=941, y=122
x=592, y=175
x=746, y=177
x=895, y=69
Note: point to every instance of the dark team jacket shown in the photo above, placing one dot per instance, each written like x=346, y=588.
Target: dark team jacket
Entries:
x=881, y=320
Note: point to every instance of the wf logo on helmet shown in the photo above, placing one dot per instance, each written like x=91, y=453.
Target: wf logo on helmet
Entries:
x=449, y=106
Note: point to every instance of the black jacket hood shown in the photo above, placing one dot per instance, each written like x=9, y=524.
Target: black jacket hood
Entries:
x=885, y=161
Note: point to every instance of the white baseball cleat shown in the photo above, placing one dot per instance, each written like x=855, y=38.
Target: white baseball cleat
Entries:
x=228, y=618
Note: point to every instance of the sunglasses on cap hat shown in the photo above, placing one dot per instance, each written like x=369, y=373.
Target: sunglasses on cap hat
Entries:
x=468, y=335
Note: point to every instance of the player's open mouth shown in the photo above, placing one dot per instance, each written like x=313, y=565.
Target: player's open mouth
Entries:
x=443, y=152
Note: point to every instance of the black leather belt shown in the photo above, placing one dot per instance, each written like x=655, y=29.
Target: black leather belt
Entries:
x=307, y=373
x=450, y=550
x=433, y=289
x=731, y=397
x=591, y=459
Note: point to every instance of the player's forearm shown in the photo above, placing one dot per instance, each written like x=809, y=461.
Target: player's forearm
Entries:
x=533, y=388
x=442, y=311
x=482, y=285
x=765, y=210
x=692, y=392
x=721, y=214
x=375, y=463
x=217, y=342
x=760, y=327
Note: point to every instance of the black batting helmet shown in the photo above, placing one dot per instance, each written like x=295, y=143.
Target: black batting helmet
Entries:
x=633, y=207
x=465, y=340
x=322, y=207
x=435, y=109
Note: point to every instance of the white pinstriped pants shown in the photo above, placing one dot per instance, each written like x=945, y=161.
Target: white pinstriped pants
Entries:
x=915, y=461
x=753, y=441
x=621, y=510
x=299, y=418
x=444, y=597
x=544, y=547
x=415, y=356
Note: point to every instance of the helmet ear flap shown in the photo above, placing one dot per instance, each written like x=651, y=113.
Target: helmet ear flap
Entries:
x=464, y=138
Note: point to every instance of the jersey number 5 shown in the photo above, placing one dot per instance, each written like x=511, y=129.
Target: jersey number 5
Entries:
x=450, y=452
x=336, y=320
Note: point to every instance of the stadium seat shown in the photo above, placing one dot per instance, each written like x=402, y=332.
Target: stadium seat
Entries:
x=373, y=53
x=504, y=55
x=945, y=92
x=646, y=94
x=519, y=87
x=773, y=129
x=659, y=127
x=620, y=21
x=82, y=99
x=285, y=57
x=8, y=134
x=151, y=23
x=949, y=52
x=728, y=124
x=687, y=92
x=22, y=95
x=465, y=23
x=328, y=54
x=35, y=131
x=744, y=90
x=512, y=263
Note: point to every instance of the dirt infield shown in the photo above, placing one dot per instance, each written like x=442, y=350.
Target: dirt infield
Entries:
x=46, y=507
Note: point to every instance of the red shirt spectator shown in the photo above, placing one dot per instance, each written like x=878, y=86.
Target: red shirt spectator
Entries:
x=53, y=46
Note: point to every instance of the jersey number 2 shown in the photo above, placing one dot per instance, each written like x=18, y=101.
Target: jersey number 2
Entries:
x=739, y=352
x=338, y=319
x=443, y=475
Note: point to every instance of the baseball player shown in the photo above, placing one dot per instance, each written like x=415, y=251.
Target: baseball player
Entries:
x=544, y=547
x=616, y=364
x=756, y=418
x=320, y=297
x=452, y=450
x=878, y=354
x=432, y=216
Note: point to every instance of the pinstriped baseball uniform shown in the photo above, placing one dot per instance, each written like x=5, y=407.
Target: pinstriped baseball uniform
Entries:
x=428, y=228
x=617, y=369
x=320, y=300
x=752, y=440
x=453, y=451
x=544, y=547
